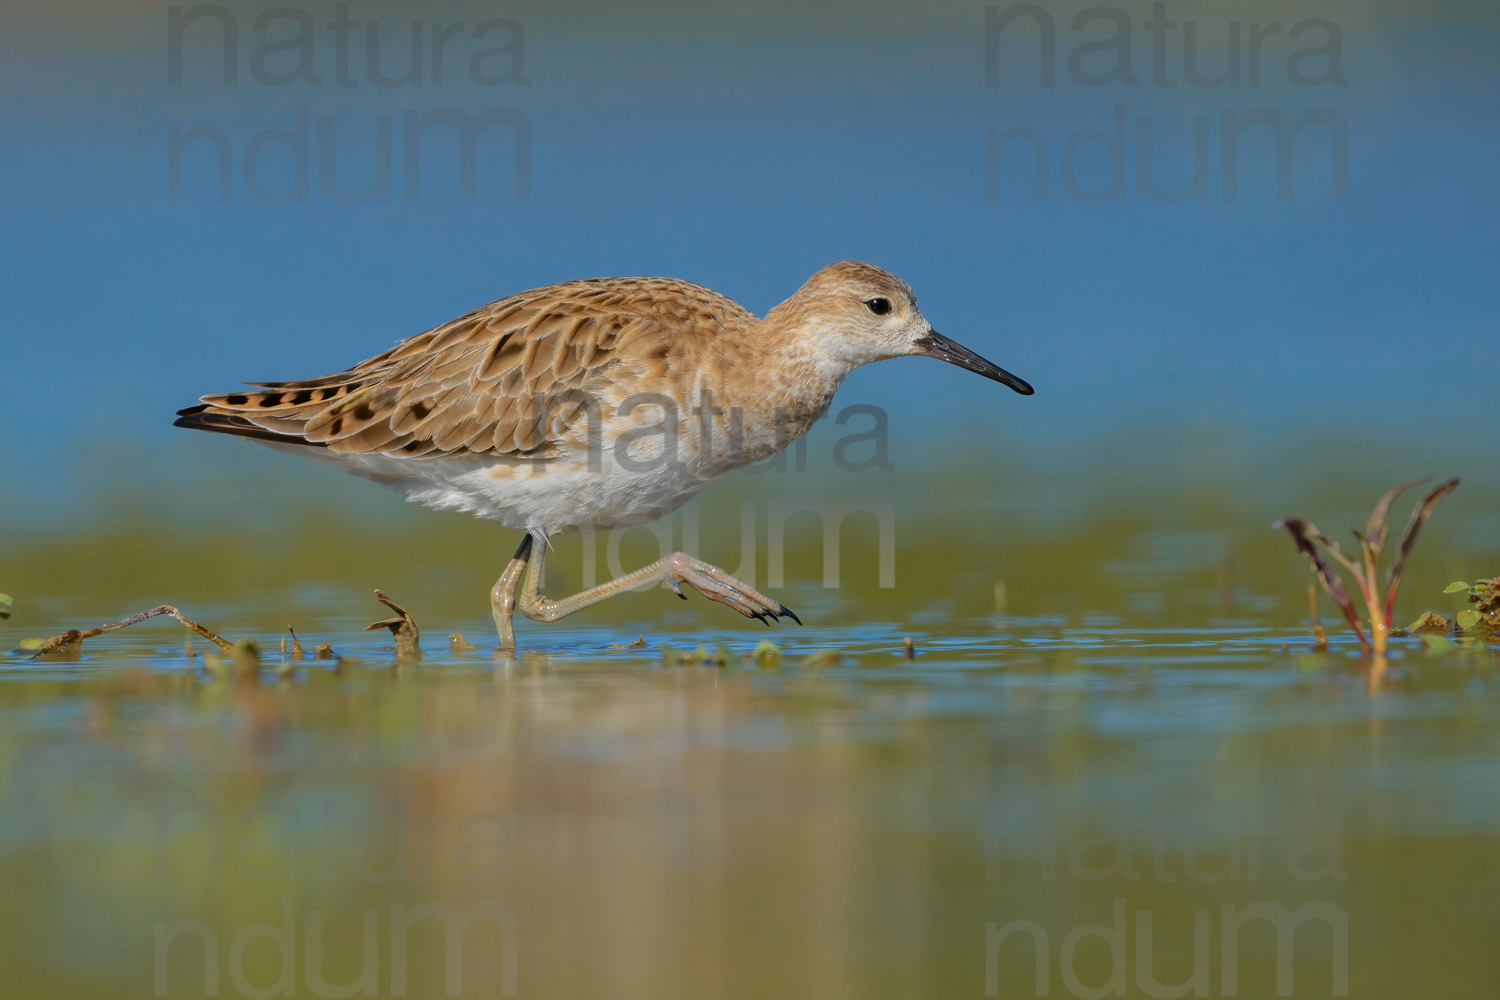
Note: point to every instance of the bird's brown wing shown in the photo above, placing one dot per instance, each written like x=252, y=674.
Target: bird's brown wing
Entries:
x=511, y=378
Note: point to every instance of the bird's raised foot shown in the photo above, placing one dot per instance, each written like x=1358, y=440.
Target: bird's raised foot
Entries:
x=717, y=585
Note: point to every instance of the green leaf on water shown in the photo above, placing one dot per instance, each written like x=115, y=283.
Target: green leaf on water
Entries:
x=717, y=657
x=766, y=653
x=1437, y=644
x=1468, y=619
x=5, y=602
x=1456, y=587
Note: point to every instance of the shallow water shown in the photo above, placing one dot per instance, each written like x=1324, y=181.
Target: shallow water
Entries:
x=1114, y=746
x=614, y=826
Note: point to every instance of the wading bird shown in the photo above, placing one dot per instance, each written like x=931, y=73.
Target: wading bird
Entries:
x=593, y=404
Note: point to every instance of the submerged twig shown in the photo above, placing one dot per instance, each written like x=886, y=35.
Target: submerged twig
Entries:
x=71, y=642
x=404, y=627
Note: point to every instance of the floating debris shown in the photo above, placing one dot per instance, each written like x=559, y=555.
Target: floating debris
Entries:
x=1430, y=621
x=6, y=602
x=458, y=644
x=909, y=648
x=640, y=643
x=61, y=647
x=297, y=652
x=324, y=651
x=403, y=627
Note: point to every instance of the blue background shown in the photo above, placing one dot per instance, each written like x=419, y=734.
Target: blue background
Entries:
x=743, y=149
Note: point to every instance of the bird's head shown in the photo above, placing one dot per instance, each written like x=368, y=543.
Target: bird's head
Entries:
x=853, y=313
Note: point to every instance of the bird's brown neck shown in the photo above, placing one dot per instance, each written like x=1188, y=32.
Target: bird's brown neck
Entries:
x=777, y=390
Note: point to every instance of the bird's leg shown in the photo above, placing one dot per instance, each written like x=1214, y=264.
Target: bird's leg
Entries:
x=675, y=570
x=503, y=595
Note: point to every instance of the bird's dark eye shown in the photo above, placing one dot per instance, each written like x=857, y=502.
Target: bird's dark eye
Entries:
x=879, y=306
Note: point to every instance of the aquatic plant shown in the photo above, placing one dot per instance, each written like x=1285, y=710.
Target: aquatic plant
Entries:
x=703, y=656
x=1379, y=604
x=1484, y=616
x=5, y=602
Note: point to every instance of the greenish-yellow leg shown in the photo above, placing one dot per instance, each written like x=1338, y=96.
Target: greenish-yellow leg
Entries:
x=675, y=570
x=503, y=595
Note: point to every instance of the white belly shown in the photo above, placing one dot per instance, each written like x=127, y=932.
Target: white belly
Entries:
x=560, y=496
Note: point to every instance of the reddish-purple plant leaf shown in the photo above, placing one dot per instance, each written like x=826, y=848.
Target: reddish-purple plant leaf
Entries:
x=1303, y=533
x=1332, y=548
x=1375, y=529
x=1419, y=516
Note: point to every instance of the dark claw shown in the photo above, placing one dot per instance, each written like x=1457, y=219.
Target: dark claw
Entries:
x=790, y=613
x=681, y=595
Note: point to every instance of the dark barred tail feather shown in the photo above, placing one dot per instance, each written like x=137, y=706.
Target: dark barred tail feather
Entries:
x=204, y=418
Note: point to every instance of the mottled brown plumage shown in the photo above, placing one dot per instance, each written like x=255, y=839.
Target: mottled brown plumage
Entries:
x=476, y=385
x=593, y=404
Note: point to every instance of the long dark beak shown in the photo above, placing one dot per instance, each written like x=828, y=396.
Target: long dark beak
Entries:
x=935, y=345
